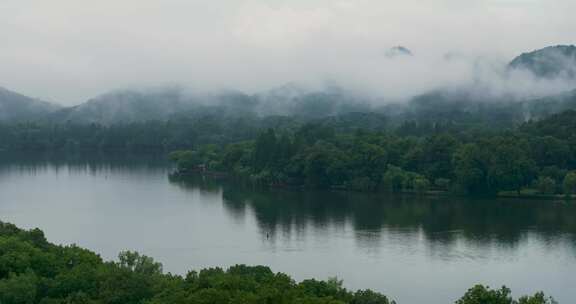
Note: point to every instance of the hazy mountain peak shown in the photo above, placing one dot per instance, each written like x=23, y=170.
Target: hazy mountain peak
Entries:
x=550, y=62
x=126, y=106
x=398, y=51
x=17, y=107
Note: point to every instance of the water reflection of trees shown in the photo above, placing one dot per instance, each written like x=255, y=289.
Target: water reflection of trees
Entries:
x=442, y=221
x=93, y=163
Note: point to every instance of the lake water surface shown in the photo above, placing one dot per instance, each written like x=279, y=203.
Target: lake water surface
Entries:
x=415, y=250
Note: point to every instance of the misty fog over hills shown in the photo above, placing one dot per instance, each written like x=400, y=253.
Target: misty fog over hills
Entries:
x=487, y=97
x=550, y=62
x=17, y=107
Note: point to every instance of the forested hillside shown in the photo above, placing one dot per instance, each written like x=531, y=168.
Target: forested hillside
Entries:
x=550, y=62
x=537, y=156
x=16, y=107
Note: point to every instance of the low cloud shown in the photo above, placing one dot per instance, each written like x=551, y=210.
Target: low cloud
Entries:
x=69, y=51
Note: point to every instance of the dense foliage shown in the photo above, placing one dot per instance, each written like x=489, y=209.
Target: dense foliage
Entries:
x=33, y=270
x=483, y=295
x=538, y=157
x=187, y=131
x=153, y=136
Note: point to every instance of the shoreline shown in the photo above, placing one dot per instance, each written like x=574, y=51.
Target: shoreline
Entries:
x=430, y=193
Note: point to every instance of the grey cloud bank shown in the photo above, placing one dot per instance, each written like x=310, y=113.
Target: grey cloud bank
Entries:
x=69, y=51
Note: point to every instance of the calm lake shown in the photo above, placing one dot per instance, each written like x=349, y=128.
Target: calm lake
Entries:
x=415, y=250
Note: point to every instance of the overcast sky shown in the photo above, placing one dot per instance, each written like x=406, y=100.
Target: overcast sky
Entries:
x=70, y=50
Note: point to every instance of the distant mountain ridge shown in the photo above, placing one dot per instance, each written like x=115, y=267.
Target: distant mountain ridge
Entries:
x=442, y=104
x=16, y=107
x=128, y=106
x=125, y=106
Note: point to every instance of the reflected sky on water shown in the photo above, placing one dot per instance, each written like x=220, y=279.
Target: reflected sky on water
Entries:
x=414, y=249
